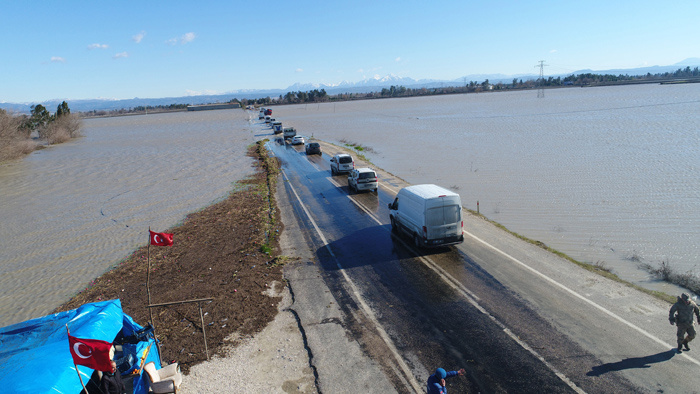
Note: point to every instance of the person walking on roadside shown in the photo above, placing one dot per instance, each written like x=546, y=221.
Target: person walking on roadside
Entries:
x=436, y=381
x=681, y=314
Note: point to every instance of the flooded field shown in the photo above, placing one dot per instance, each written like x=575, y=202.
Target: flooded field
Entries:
x=606, y=175
x=72, y=211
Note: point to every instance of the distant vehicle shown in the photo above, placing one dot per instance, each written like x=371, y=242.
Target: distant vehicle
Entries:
x=313, y=148
x=267, y=119
x=298, y=140
x=261, y=115
x=429, y=214
x=272, y=120
x=362, y=179
x=277, y=127
x=342, y=163
x=268, y=112
x=289, y=132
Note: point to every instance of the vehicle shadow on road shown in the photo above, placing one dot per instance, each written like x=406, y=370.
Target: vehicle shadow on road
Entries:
x=633, y=362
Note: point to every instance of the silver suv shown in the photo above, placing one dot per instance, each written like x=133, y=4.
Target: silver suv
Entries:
x=342, y=163
x=362, y=179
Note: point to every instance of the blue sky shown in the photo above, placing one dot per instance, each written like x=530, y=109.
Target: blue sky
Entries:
x=148, y=49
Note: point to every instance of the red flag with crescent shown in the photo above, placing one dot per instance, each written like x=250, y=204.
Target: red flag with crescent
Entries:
x=91, y=353
x=161, y=239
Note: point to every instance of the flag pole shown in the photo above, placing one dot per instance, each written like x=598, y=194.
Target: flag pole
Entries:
x=148, y=278
x=76, y=365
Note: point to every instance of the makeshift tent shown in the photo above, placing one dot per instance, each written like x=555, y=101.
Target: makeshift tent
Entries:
x=35, y=355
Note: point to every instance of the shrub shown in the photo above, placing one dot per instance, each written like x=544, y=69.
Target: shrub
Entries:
x=13, y=138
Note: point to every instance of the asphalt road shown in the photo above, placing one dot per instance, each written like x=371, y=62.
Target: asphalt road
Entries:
x=381, y=315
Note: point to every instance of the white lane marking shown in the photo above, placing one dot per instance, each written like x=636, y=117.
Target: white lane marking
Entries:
x=473, y=299
x=579, y=296
x=365, y=308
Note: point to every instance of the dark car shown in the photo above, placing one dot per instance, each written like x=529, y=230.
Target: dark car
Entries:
x=313, y=148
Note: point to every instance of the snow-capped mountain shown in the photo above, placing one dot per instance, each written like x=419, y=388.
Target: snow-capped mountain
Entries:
x=374, y=83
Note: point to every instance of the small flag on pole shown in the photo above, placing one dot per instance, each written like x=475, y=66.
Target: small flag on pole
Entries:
x=161, y=239
x=91, y=353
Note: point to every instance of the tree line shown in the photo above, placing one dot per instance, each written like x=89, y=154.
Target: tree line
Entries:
x=584, y=79
x=23, y=134
x=318, y=96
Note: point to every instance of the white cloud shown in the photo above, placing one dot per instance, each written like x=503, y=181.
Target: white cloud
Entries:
x=299, y=70
x=98, y=46
x=398, y=59
x=360, y=71
x=184, y=39
x=120, y=55
x=553, y=51
x=138, y=37
x=57, y=59
x=188, y=37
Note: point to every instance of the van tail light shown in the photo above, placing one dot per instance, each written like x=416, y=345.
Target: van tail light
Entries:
x=425, y=232
x=462, y=225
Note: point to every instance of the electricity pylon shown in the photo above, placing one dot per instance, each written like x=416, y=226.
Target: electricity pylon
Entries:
x=540, y=81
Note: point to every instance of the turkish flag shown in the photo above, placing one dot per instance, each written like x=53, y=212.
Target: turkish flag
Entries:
x=161, y=239
x=91, y=353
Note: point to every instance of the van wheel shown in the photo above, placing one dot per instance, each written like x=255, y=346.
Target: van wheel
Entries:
x=416, y=241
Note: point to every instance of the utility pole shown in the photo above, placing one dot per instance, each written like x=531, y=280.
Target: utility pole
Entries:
x=540, y=81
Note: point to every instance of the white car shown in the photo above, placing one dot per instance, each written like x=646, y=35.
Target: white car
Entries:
x=362, y=179
x=342, y=163
x=298, y=140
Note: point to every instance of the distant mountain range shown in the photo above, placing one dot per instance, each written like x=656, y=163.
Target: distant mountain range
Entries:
x=364, y=86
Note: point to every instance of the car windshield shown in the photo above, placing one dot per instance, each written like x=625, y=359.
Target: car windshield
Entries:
x=365, y=175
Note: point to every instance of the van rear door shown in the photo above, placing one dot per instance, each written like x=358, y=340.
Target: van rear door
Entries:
x=443, y=220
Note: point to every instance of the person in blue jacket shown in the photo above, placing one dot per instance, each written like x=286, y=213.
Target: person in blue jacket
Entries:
x=436, y=381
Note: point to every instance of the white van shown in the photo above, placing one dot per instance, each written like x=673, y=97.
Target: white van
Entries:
x=289, y=132
x=342, y=163
x=430, y=214
x=362, y=179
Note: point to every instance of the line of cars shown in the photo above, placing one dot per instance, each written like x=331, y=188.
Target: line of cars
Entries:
x=290, y=133
x=429, y=214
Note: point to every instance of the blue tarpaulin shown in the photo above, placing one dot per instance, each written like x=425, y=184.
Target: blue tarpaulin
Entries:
x=35, y=355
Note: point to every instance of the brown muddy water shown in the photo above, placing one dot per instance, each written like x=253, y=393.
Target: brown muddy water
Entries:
x=70, y=212
x=608, y=175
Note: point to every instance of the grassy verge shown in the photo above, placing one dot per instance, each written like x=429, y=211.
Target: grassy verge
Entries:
x=598, y=268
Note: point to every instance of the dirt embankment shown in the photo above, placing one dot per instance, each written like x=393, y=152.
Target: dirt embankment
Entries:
x=225, y=252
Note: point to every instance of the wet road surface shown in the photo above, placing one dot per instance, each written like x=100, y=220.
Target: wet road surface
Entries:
x=414, y=310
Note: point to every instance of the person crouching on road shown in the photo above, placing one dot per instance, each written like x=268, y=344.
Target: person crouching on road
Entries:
x=436, y=381
x=681, y=314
